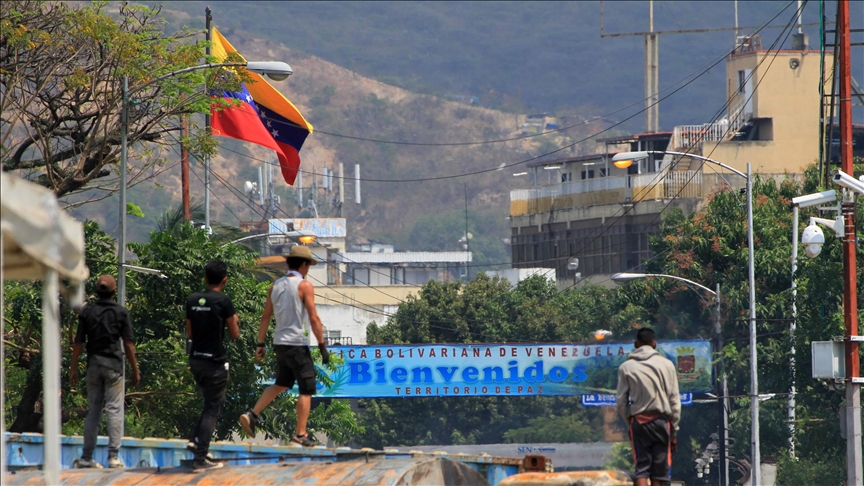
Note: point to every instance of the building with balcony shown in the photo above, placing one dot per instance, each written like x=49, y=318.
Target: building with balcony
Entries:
x=586, y=218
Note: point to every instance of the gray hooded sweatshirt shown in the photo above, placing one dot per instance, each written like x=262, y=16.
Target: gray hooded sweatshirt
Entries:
x=648, y=382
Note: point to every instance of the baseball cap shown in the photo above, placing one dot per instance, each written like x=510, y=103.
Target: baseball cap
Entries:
x=106, y=283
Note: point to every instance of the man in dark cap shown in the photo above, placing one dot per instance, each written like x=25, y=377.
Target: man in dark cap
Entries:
x=105, y=327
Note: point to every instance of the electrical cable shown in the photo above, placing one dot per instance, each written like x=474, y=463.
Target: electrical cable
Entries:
x=658, y=180
x=788, y=31
x=496, y=169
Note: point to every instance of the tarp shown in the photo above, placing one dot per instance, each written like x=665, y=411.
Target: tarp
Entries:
x=40, y=242
x=38, y=234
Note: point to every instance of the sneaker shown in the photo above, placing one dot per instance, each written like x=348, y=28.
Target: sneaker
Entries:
x=249, y=421
x=115, y=462
x=204, y=464
x=89, y=463
x=304, y=440
x=192, y=447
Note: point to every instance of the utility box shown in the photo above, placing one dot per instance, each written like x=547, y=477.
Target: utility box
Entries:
x=828, y=359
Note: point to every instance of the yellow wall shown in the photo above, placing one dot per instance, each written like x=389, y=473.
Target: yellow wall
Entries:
x=363, y=294
x=790, y=97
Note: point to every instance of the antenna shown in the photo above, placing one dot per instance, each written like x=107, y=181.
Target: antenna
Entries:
x=341, y=189
x=300, y=189
x=260, y=194
x=357, y=183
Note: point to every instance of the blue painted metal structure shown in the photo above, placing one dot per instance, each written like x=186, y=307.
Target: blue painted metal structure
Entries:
x=25, y=451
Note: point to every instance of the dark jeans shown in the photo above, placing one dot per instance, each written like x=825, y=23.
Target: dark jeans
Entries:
x=212, y=377
x=104, y=391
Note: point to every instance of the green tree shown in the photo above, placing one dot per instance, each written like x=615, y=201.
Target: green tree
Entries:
x=488, y=310
x=709, y=247
x=167, y=403
x=63, y=65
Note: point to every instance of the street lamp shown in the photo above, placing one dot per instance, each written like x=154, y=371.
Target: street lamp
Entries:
x=621, y=278
x=813, y=240
x=272, y=69
x=755, y=476
x=305, y=237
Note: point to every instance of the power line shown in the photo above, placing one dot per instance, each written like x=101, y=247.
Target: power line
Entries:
x=512, y=164
x=788, y=31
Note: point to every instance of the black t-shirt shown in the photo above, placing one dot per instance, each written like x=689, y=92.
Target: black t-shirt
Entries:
x=208, y=311
x=101, y=325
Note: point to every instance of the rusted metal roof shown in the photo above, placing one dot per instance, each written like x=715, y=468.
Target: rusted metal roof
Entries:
x=570, y=478
x=384, y=472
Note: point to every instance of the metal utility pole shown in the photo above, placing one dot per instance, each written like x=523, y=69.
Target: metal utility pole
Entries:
x=652, y=109
x=756, y=458
x=652, y=58
x=121, y=251
x=207, y=36
x=855, y=474
x=721, y=392
x=184, y=169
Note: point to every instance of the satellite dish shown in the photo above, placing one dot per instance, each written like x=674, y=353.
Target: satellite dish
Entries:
x=573, y=263
x=250, y=187
x=470, y=236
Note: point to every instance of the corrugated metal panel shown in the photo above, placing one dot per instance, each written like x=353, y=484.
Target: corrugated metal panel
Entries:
x=403, y=257
x=389, y=472
x=572, y=478
x=25, y=452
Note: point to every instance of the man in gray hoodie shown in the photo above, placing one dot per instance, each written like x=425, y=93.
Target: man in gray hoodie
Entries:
x=648, y=401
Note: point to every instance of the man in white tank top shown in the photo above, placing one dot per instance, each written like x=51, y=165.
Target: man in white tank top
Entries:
x=292, y=300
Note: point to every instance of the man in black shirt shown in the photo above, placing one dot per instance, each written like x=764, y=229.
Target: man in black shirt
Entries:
x=103, y=325
x=208, y=313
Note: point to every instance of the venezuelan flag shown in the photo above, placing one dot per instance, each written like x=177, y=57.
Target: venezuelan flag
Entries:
x=280, y=118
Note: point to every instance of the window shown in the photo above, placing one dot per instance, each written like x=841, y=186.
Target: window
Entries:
x=361, y=276
x=566, y=176
x=587, y=174
x=742, y=81
x=603, y=173
x=397, y=276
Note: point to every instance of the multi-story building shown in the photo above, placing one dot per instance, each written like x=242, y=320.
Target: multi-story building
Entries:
x=586, y=209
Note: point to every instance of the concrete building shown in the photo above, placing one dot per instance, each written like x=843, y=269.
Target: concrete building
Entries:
x=516, y=275
x=585, y=208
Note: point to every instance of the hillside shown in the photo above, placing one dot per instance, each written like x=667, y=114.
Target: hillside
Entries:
x=403, y=213
x=519, y=56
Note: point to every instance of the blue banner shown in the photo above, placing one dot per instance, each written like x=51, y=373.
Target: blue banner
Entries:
x=454, y=370
x=607, y=400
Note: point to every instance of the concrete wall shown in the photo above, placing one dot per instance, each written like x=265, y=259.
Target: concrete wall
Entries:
x=789, y=97
x=351, y=321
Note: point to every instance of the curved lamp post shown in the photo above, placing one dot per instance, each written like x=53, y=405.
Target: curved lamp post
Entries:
x=273, y=69
x=305, y=237
x=621, y=278
x=755, y=476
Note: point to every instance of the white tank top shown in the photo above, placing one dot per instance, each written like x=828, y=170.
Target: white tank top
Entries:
x=292, y=320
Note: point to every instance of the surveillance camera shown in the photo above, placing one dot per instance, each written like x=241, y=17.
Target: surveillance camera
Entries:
x=845, y=180
x=815, y=199
x=813, y=239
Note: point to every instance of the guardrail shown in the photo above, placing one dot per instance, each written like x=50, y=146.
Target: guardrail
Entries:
x=607, y=190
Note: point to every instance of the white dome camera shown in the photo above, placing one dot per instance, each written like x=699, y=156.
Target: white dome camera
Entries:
x=813, y=239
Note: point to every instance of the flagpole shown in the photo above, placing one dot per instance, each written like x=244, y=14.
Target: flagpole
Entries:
x=208, y=38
